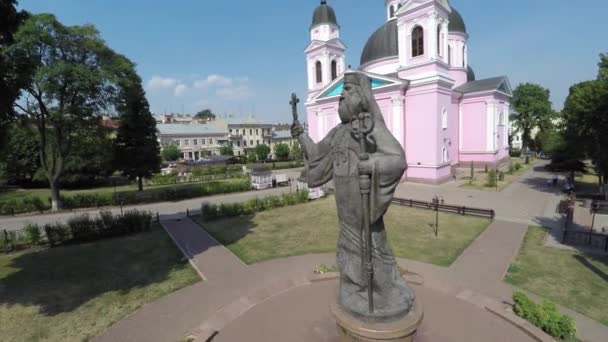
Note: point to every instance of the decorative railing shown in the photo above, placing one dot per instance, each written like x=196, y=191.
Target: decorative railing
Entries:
x=455, y=209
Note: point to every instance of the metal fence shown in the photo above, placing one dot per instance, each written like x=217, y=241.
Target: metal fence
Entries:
x=587, y=239
x=448, y=208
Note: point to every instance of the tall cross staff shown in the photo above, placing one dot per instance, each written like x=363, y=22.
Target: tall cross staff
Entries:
x=294, y=112
x=294, y=107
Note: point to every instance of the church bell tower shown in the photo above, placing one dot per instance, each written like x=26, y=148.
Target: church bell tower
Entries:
x=325, y=55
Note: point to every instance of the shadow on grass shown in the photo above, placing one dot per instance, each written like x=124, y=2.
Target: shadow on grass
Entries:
x=61, y=279
x=586, y=252
x=592, y=267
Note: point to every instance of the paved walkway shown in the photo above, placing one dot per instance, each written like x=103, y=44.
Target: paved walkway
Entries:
x=478, y=272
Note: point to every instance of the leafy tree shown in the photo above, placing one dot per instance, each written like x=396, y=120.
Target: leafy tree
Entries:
x=586, y=116
x=20, y=156
x=602, y=74
x=136, y=149
x=205, y=114
x=262, y=151
x=532, y=109
x=548, y=141
x=10, y=83
x=227, y=150
x=90, y=161
x=170, y=153
x=282, y=151
x=72, y=76
x=251, y=158
x=296, y=152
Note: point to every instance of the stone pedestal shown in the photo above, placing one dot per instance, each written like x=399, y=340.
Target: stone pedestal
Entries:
x=352, y=329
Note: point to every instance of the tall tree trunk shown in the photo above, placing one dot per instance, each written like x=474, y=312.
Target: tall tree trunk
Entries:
x=140, y=183
x=55, y=198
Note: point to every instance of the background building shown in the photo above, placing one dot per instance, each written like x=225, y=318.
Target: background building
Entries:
x=194, y=141
x=431, y=101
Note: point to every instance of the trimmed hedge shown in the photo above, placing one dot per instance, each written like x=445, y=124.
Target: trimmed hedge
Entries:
x=194, y=178
x=25, y=205
x=96, y=200
x=212, y=212
x=279, y=165
x=78, y=229
x=545, y=316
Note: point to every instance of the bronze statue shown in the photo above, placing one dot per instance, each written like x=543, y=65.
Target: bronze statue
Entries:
x=366, y=164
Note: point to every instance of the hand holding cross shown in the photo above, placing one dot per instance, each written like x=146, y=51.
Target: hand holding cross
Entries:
x=294, y=106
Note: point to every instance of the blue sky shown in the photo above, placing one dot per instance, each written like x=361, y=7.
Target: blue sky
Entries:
x=240, y=57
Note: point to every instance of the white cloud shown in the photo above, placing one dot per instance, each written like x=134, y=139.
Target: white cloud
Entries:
x=180, y=89
x=239, y=92
x=213, y=80
x=201, y=103
x=159, y=82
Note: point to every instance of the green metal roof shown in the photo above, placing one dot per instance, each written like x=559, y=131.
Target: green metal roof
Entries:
x=324, y=14
x=381, y=44
x=470, y=74
x=456, y=22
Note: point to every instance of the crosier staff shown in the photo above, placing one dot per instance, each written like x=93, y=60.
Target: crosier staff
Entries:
x=365, y=125
x=294, y=112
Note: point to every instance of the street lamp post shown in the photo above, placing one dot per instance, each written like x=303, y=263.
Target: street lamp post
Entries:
x=436, y=204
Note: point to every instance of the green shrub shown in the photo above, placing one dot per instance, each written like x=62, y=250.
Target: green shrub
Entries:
x=230, y=209
x=32, y=234
x=134, y=221
x=250, y=206
x=209, y=211
x=544, y=316
x=82, y=228
x=472, y=171
x=501, y=176
x=276, y=202
x=56, y=233
x=517, y=166
x=491, y=182
x=6, y=244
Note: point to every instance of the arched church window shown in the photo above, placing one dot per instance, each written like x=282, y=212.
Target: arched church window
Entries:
x=439, y=40
x=392, y=11
x=463, y=54
x=501, y=119
x=444, y=118
x=417, y=41
x=445, y=156
x=334, y=70
x=449, y=55
x=319, y=72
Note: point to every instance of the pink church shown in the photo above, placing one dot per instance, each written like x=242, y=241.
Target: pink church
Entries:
x=427, y=92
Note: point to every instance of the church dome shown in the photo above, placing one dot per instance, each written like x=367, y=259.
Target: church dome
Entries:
x=456, y=22
x=324, y=14
x=470, y=74
x=383, y=43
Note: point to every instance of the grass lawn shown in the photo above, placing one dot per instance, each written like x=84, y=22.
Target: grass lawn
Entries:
x=572, y=279
x=313, y=228
x=587, y=182
x=74, y=293
x=481, y=178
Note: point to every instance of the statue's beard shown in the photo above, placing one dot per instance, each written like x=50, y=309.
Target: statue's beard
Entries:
x=348, y=110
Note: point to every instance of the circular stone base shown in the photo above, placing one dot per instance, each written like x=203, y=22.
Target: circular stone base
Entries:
x=352, y=329
x=303, y=315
